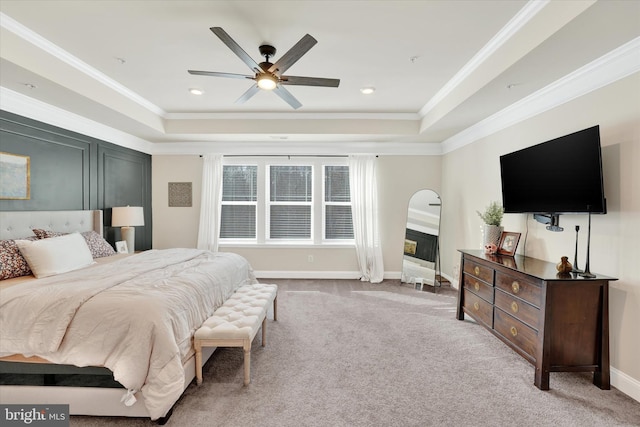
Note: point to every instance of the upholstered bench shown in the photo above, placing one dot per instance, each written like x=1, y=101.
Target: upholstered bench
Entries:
x=236, y=322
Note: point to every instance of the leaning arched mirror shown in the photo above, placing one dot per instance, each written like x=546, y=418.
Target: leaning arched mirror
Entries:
x=421, y=246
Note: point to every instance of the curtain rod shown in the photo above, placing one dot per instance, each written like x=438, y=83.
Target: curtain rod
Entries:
x=284, y=155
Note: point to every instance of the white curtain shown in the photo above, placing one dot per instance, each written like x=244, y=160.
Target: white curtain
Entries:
x=210, y=202
x=364, y=199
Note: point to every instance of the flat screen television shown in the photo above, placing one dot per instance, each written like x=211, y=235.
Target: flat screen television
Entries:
x=563, y=175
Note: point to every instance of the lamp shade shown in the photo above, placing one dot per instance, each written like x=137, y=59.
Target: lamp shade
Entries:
x=127, y=216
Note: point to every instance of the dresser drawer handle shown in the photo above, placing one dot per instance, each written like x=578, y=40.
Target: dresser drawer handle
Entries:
x=514, y=331
x=515, y=287
x=514, y=307
x=476, y=286
x=476, y=306
x=476, y=270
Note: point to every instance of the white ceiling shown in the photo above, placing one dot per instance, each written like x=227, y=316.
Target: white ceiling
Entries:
x=438, y=67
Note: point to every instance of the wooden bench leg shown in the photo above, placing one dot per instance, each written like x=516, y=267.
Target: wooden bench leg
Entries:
x=198, y=348
x=247, y=362
x=275, y=308
x=264, y=331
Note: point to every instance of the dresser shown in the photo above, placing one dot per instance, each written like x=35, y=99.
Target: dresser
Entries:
x=556, y=322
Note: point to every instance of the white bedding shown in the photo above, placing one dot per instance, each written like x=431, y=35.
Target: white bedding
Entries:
x=135, y=316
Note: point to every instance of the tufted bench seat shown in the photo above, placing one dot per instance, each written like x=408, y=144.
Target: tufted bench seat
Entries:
x=236, y=322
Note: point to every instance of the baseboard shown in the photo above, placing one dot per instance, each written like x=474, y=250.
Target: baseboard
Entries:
x=626, y=384
x=308, y=274
x=388, y=275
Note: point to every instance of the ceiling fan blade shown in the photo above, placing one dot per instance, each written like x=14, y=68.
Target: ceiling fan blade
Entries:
x=309, y=81
x=248, y=94
x=235, y=48
x=293, y=54
x=287, y=97
x=216, y=74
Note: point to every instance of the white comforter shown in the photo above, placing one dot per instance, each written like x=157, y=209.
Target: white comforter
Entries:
x=135, y=316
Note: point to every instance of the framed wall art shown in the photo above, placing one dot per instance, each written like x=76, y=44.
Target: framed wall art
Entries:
x=410, y=247
x=15, y=175
x=180, y=194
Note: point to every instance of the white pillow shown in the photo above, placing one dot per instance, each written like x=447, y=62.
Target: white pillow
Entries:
x=48, y=257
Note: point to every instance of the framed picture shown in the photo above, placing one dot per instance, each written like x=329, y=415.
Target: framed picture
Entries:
x=508, y=243
x=121, y=247
x=15, y=175
x=410, y=247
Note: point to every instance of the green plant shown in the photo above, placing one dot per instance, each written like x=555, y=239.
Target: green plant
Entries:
x=492, y=215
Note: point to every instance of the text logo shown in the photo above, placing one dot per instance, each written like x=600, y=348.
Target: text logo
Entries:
x=34, y=415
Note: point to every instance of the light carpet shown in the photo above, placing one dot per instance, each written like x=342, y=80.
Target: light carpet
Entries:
x=348, y=353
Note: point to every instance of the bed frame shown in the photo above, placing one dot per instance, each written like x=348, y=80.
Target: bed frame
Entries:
x=81, y=400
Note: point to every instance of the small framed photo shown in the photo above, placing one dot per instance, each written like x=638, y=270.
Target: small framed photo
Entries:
x=121, y=247
x=410, y=247
x=508, y=243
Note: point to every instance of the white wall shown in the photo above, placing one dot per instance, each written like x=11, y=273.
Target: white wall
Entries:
x=175, y=227
x=471, y=179
x=398, y=176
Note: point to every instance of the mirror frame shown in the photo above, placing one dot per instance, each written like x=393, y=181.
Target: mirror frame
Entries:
x=417, y=272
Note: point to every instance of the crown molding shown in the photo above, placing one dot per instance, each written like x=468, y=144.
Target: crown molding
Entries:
x=292, y=116
x=45, y=45
x=609, y=68
x=23, y=105
x=259, y=148
x=524, y=15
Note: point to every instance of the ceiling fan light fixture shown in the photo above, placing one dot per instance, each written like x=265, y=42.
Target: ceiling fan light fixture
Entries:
x=267, y=82
x=367, y=90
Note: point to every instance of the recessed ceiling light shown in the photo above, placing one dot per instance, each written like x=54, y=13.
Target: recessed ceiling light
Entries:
x=121, y=60
x=368, y=90
x=29, y=85
x=196, y=91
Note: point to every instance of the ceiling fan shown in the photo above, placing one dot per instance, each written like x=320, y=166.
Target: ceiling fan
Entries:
x=269, y=76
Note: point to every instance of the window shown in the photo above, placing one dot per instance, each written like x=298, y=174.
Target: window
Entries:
x=290, y=202
x=239, y=202
x=338, y=223
x=271, y=200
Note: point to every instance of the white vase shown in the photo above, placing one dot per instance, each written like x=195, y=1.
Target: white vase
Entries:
x=491, y=234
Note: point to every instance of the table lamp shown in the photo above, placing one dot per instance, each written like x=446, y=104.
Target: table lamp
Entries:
x=128, y=217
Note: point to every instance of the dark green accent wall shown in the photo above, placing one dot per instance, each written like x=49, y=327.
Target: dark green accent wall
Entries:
x=71, y=171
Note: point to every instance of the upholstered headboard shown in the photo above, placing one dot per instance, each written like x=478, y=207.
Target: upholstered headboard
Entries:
x=18, y=224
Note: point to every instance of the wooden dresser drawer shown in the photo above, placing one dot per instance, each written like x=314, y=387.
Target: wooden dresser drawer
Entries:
x=478, y=308
x=478, y=287
x=478, y=270
x=523, y=289
x=522, y=336
x=519, y=309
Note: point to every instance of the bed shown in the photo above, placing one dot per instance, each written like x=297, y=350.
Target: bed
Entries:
x=133, y=315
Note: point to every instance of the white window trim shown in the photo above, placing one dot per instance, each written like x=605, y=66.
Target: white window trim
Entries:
x=317, y=225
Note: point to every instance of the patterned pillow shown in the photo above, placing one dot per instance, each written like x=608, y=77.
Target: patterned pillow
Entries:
x=44, y=234
x=12, y=263
x=97, y=245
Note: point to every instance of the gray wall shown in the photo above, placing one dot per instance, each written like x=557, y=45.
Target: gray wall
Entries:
x=70, y=171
